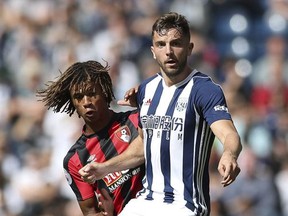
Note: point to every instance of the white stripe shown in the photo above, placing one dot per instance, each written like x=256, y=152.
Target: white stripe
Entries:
x=177, y=146
x=158, y=178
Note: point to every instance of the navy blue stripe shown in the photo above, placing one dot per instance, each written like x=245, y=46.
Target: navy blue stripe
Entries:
x=151, y=111
x=165, y=151
x=189, y=155
x=196, y=155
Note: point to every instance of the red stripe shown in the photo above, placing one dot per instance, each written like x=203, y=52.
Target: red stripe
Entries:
x=86, y=191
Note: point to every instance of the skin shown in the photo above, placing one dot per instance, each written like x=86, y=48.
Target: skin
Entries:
x=171, y=52
x=93, y=108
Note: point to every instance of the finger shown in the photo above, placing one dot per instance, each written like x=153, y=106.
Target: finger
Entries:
x=87, y=168
x=123, y=102
x=221, y=170
x=104, y=194
x=82, y=171
x=230, y=178
x=89, y=179
x=227, y=182
x=100, y=206
x=227, y=172
x=133, y=91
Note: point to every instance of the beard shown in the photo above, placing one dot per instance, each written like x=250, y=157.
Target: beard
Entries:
x=173, y=71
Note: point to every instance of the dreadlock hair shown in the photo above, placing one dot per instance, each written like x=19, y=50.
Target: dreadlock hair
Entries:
x=80, y=75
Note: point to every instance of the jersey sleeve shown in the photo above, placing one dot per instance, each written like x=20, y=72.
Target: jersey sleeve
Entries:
x=81, y=189
x=210, y=101
x=140, y=96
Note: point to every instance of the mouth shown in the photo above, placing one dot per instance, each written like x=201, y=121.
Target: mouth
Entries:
x=89, y=113
x=171, y=62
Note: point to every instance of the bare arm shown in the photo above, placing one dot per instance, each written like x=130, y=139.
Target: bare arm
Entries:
x=131, y=157
x=228, y=167
x=89, y=207
x=98, y=207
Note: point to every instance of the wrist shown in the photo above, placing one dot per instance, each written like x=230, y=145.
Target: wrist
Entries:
x=230, y=154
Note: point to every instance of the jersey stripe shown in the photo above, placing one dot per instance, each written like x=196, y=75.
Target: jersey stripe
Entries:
x=103, y=145
x=177, y=159
x=152, y=100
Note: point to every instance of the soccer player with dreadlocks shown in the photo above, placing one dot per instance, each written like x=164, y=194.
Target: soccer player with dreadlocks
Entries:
x=87, y=88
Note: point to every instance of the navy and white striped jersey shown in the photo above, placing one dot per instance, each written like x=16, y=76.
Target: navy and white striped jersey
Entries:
x=177, y=138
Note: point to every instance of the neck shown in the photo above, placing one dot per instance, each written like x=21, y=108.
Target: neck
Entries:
x=96, y=126
x=172, y=80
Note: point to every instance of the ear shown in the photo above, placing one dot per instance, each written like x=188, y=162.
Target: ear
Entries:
x=191, y=46
x=153, y=53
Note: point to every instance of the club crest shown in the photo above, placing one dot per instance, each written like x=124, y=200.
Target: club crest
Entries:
x=123, y=134
x=181, y=104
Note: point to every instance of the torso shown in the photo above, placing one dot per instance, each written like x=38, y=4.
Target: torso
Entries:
x=178, y=138
x=109, y=142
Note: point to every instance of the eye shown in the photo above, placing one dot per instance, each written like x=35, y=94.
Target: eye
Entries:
x=91, y=94
x=78, y=96
x=160, y=44
x=176, y=43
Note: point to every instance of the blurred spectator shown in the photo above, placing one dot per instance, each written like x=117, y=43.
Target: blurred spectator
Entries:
x=270, y=77
x=249, y=196
x=281, y=183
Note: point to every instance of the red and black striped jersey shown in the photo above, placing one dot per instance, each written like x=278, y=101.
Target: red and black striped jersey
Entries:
x=101, y=146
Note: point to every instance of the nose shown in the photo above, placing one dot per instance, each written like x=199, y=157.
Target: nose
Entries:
x=169, y=50
x=86, y=101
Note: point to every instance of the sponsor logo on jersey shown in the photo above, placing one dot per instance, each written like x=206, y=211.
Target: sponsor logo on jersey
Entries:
x=123, y=134
x=165, y=123
x=116, y=179
x=221, y=108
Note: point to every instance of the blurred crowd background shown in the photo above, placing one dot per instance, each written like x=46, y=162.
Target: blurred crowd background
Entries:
x=241, y=44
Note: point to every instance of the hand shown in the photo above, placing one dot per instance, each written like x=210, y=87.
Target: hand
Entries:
x=92, y=172
x=105, y=203
x=228, y=168
x=129, y=98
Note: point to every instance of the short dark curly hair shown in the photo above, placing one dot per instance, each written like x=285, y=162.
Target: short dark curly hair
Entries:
x=171, y=20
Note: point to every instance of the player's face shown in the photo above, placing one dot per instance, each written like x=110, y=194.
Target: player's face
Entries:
x=171, y=50
x=90, y=103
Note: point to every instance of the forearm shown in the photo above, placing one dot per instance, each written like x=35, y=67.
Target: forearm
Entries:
x=131, y=157
x=226, y=132
x=232, y=144
x=89, y=207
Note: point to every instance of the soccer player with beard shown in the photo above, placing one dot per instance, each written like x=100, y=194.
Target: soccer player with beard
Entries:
x=181, y=112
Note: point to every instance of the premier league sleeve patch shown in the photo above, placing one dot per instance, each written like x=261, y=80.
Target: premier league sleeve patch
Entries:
x=123, y=134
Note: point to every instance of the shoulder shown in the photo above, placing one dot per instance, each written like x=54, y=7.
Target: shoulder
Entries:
x=126, y=117
x=148, y=85
x=200, y=78
x=149, y=81
x=144, y=82
x=204, y=84
x=71, y=155
x=123, y=116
